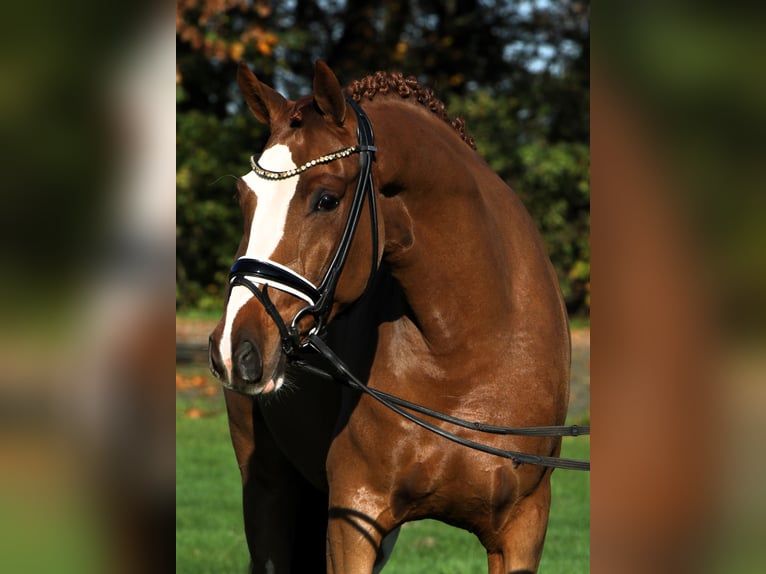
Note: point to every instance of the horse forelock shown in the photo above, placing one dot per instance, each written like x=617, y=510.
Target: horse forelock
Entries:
x=296, y=114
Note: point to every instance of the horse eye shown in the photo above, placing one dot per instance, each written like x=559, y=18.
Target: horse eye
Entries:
x=326, y=203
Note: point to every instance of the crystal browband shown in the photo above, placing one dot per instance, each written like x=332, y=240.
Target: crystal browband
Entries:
x=341, y=153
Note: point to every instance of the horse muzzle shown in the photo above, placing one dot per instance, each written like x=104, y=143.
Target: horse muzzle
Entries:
x=244, y=371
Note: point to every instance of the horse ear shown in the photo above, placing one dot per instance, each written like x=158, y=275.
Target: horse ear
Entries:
x=397, y=225
x=328, y=94
x=262, y=100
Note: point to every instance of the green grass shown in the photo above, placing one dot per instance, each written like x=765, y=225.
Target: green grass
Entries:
x=210, y=538
x=209, y=534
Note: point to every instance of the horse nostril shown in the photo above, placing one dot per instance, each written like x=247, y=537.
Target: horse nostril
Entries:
x=247, y=362
x=214, y=358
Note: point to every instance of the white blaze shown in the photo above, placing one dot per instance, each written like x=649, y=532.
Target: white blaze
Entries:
x=273, y=202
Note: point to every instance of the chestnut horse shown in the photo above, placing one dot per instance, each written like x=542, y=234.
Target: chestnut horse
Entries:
x=455, y=307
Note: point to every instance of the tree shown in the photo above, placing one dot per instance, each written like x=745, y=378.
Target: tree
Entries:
x=517, y=71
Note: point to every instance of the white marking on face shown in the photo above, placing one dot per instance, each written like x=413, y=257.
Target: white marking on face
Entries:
x=273, y=203
x=274, y=199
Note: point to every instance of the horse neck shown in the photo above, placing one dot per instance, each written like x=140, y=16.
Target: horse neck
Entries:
x=452, y=276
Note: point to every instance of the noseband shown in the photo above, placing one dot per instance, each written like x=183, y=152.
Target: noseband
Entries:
x=252, y=273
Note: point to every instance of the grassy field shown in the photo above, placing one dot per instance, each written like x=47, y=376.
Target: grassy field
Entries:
x=209, y=535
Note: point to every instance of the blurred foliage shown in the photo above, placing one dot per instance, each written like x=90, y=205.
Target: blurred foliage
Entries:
x=552, y=179
x=516, y=71
x=210, y=153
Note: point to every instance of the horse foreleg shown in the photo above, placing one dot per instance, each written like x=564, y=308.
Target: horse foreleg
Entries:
x=519, y=546
x=353, y=542
x=285, y=526
x=360, y=534
x=285, y=518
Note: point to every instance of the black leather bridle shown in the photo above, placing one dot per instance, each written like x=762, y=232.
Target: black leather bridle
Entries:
x=251, y=273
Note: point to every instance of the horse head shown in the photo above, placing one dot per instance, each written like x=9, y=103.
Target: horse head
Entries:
x=296, y=205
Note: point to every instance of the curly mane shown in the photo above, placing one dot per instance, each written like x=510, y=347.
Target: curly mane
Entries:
x=396, y=83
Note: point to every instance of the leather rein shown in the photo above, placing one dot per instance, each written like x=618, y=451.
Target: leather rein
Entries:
x=258, y=275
